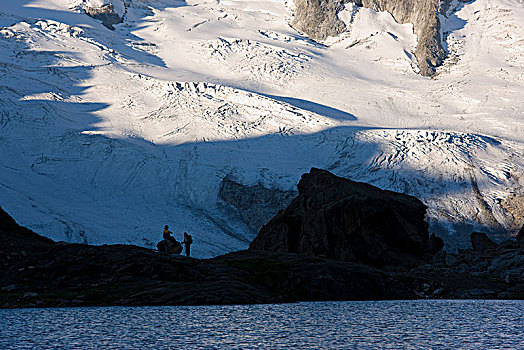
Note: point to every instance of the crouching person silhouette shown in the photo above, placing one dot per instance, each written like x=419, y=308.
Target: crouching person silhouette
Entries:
x=169, y=244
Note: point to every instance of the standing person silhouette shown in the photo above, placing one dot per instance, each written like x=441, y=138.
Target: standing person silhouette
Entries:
x=188, y=240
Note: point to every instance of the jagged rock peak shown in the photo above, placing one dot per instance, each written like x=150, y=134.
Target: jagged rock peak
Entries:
x=351, y=221
x=319, y=19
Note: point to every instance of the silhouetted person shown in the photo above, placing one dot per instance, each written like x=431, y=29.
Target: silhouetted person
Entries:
x=172, y=246
x=166, y=234
x=188, y=240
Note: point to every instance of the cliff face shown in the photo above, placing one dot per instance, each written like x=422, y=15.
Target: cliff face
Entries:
x=318, y=19
x=350, y=221
x=424, y=16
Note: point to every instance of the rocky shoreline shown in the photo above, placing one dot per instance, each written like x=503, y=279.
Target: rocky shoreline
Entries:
x=308, y=252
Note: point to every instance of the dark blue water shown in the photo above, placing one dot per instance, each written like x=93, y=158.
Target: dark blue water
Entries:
x=423, y=324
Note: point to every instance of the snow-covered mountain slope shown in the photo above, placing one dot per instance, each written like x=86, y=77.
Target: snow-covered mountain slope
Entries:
x=105, y=136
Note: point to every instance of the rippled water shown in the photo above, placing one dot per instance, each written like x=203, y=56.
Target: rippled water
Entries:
x=419, y=324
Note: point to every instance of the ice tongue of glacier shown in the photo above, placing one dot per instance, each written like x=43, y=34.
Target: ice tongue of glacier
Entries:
x=106, y=136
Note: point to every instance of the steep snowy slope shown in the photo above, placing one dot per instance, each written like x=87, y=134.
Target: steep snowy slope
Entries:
x=105, y=136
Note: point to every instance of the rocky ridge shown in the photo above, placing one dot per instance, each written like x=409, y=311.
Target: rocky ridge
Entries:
x=37, y=272
x=350, y=221
x=397, y=259
x=319, y=19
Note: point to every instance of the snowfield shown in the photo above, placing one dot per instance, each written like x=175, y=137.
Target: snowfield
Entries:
x=106, y=136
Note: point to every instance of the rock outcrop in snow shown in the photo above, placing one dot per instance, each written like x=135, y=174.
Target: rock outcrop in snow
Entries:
x=319, y=20
x=255, y=204
x=351, y=221
x=105, y=11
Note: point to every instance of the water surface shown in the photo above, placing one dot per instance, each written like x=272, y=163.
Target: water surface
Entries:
x=421, y=324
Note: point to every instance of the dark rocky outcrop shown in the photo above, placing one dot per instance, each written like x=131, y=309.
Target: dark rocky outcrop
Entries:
x=255, y=205
x=520, y=237
x=350, y=221
x=318, y=19
x=481, y=242
x=16, y=235
x=37, y=272
x=496, y=272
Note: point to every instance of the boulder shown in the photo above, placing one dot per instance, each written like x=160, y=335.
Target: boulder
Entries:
x=520, y=237
x=169, y=247
x=508, y=245
x=106, y=14
x=350, y=221
x=482, y=243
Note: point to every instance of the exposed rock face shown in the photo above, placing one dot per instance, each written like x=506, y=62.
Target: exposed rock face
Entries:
x=106, y=14
x=520, y=237
x=36, y=271
x=481, y=242
x=514, y=205
x=318, y=19
x=256, y=204
x=424, y=16
x=350, y=221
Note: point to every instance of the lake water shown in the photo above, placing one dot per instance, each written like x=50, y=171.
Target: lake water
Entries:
x=421, y=324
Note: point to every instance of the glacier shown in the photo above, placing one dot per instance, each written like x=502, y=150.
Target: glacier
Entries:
x=106, y=136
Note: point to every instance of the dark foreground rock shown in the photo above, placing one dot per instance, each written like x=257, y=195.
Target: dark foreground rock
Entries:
x=497, y=272
x=351, y=221
x=520, y=237
x=37, y=272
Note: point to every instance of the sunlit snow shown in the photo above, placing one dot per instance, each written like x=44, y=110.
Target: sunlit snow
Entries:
x=106, y=136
